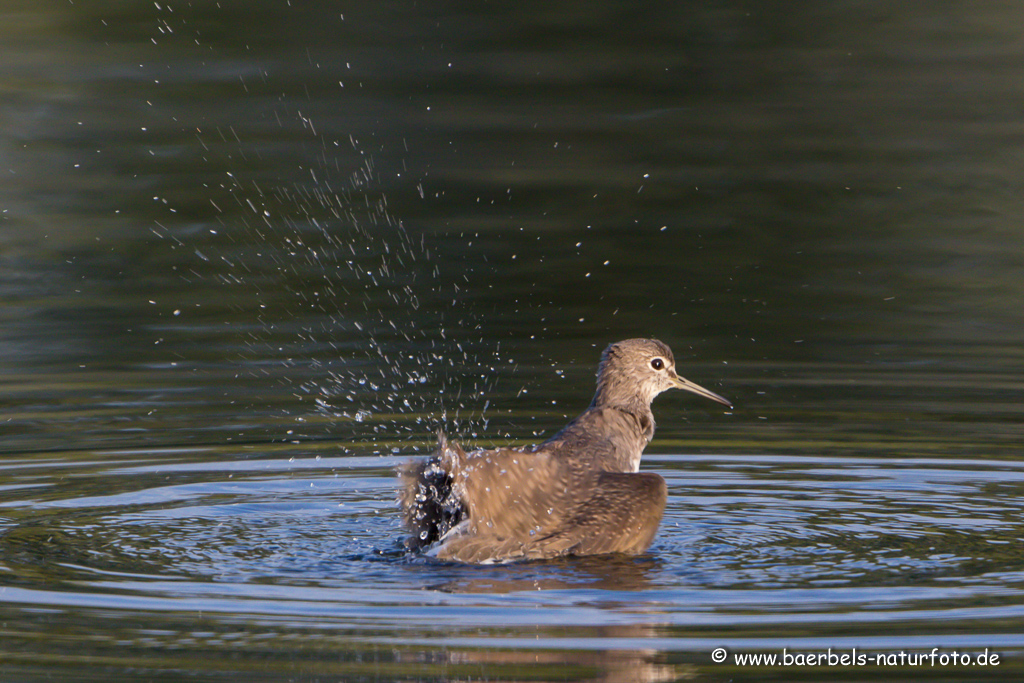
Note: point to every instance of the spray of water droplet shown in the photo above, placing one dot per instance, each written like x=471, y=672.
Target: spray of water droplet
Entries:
x=353, y=306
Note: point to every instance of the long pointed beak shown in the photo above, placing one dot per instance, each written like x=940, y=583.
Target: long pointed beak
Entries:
x=683, y=383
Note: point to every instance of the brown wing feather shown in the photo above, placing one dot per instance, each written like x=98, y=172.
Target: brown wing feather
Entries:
x=513, y=491
x=621, y=515
x=502, y=505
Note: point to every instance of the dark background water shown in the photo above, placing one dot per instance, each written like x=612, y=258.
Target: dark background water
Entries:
x=253, y=254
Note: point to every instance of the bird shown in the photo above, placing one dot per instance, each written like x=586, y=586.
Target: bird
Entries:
x=578, y=493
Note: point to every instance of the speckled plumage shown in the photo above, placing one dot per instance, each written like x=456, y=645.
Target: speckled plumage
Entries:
x=578, y=493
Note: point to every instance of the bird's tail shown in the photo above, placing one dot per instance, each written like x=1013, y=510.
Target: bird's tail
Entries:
x=429, y=506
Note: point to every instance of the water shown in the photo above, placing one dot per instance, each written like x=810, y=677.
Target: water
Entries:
x=252, y=258
x=209, y=562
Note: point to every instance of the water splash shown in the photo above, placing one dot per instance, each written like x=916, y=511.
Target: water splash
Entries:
x=368, y=322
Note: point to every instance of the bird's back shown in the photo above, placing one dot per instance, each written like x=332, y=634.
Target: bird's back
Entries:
x=603, y=439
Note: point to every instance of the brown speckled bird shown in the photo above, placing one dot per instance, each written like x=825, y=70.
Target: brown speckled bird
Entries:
x=578, y=493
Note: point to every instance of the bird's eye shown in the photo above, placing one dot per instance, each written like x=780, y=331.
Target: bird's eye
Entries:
x=657, y=363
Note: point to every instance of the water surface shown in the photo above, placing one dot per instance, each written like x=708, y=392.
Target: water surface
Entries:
x=252, y=257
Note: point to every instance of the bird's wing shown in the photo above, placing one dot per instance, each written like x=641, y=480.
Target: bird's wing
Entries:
x=511, y=494
x=621, y=515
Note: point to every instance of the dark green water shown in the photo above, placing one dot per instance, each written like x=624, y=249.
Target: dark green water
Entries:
x=253, y=255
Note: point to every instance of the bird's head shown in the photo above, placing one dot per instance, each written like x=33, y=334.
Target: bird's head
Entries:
x=637, y=370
